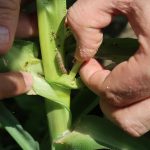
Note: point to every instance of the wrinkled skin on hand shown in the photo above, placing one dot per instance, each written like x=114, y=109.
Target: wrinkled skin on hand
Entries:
x=125, y=90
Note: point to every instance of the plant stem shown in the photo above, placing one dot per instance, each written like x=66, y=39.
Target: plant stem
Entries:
x=75, y=69
x=52, y=35
x=47, y=49
x=58, y=124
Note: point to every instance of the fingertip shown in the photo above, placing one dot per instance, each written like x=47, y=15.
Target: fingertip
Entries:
x=28, y=80
x=89, y=67
x=78, y=58
x=14, y=83
x=93, y=75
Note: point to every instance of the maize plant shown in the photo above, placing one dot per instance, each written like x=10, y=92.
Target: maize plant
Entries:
x=58, y=93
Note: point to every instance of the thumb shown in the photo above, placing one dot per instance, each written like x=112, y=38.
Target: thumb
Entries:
x=93, y=75
x=126, y=84
x=14, y=83
x=9, y=13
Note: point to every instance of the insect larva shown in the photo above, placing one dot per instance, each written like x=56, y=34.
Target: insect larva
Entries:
x=60, y=63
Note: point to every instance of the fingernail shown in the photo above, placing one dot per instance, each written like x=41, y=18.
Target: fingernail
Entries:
x=4, y=35
x=28, y=80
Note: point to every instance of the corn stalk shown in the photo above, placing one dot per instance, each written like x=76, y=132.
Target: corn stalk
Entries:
x=52, y=34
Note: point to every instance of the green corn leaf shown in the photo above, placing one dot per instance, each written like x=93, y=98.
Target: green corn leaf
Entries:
x=12, y=126
x=85, y=100
x=77, y=141
x=20, y=56
x=109, y=135
x=44, y=89
x=93, y=132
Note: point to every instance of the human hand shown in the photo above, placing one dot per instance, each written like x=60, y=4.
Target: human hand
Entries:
x=14, y=23
x=125, y=90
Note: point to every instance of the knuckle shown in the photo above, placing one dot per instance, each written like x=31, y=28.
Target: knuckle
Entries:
x=124, y=5
x=10, y=5
x=8, y=9
x=86, y=54
x=75, y=15
x=112, y=98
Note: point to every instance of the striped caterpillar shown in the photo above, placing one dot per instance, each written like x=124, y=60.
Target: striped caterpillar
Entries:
x=60, y=62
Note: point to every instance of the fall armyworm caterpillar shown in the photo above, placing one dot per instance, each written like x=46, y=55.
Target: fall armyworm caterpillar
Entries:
x=60, y=63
